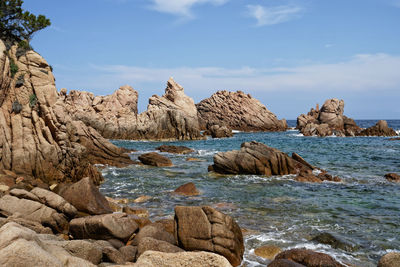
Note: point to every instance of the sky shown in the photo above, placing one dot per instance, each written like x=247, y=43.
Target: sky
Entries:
x=289, y=54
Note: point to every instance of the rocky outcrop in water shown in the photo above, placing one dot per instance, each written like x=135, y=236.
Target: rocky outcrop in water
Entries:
x=393, y=177
x=38, y=137
x=170, y=117
x=238, y=111
x=257, y=158
x=304, y=257
x=391, y=259
x=381, y=128
x=327, y=121
x=155, y=159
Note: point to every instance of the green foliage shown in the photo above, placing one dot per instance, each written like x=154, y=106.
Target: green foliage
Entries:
x=17, y=25
x=13, y=68
x=32, y=100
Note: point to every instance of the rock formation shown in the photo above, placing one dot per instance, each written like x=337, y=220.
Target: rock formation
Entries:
x=257, y=158
x=304, y=257
x=381, y=128
x=170, y=117
x=327, y=121
x=238, y=111
x=38, y=137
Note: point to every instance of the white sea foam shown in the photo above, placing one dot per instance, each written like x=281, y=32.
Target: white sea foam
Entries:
x=398, y=132
x=202, y=152
x=236, y=131
x=297, y=135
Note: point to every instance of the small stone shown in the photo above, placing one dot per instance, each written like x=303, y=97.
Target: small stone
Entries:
x=175, y=149
x=140, y=212
x=142, y=199
x=53, y=186
x=4, y=188
x=194, y=159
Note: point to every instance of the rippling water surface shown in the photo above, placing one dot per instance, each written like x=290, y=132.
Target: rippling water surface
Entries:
x=364, y=210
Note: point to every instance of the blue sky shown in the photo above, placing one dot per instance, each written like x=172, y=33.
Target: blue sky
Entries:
x=289, y=54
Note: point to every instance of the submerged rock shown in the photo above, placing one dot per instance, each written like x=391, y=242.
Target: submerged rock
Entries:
x=306, y=257
x=334, y=242
x=393, y=177
x=206, y=229
x=175, y=149
x=238, y=111
x=155, y=159
x=188, y=189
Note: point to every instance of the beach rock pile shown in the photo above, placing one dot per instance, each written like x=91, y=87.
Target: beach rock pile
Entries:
x=329, y=120
x=257, y=158
x=170, y=117
x=38, y=137
x=237, y=111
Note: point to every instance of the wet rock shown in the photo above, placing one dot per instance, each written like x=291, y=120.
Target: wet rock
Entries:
x=181, y=259
x=381, y=128
x=391, y=259
x=142, y=199
x=217, y=131
x=155, y=159
x=55, y=201
x=149, y=243
x=86, y=197
x=334, y=242
x=395, y=139
x=393, y=177
x=33, y=211
x=194, y=159
x=238, y=111
x=156, y=231
x=267, y=252
x=175, y=149
x=108, y=226
x=206, y=229
x=188, y=189
x=20, y=246
x=285, y=263
x=308, y=258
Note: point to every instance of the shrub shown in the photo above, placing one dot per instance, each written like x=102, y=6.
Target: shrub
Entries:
x=32, y=100
x=13, y=68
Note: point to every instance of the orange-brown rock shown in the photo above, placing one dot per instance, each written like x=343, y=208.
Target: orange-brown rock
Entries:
x=188, y=189
x=170, y=117
x=307, y=257
x=38, y=137
x=238, y=111
x=155, y=159
x=392, y=177
x=175, y=149
x=381, y=128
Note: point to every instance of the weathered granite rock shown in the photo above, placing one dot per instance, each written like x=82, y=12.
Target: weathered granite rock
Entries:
x=334, y=242
x=188, y=189
x=40, y=139
x=206, y=229
x=155, y=159
x=217, y=131
x=33, y=211
x=110, y=254
x=238, y=111
x=108, y=226
x=175, y=149
x=285, y=263
x=392, y=177
x=170, y=117
x=267, y=252
x=327, y=121
x=86, y=197
x=55, y=201
x=308, y=258
x=20, y=246
x=138, y=211
x=21, y=193
x=181, y=259
x=129, y=253
x=156, y=231
x=149, y=243
x=33, y=225
x=391, y=259
x=82, y=249
x=381, y=128
x=257, y=158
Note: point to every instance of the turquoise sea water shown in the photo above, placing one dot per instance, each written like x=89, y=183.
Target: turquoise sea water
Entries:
x=364, y=210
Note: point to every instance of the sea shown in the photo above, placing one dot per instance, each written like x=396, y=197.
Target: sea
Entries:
x=363, y=210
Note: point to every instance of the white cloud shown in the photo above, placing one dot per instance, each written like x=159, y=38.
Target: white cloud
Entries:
x=377, y=72
x=181, y=7
x=274, y=15
x=329, y=45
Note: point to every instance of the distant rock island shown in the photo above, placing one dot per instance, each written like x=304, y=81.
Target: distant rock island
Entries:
x=329, y=120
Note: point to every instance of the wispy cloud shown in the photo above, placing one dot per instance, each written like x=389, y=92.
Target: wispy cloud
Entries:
x=360, y=73
x=274, y=15
x=329, y=45
x=181, y=8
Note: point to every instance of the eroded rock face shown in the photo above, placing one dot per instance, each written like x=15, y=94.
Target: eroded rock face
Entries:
x=170, y=117
x=238, y=111
x=206, y=229
x=38, y=137
x=257, y=158
x=327, y=121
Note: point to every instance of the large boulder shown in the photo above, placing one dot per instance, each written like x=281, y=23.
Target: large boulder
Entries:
x=170, y=117
x=391, y=259
x=33, y=211
x=327, y=121
x=20, y=246
x=181, y=259
x=55, y=201
x=381, y=128
x=107, y=226
x=149, y=243
x=257, y=158
x=217, y=131
x=307, y=257
x=155, y=159
x=86, y=197
x=238, y=111
x=206, y=229
x=39, y=138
